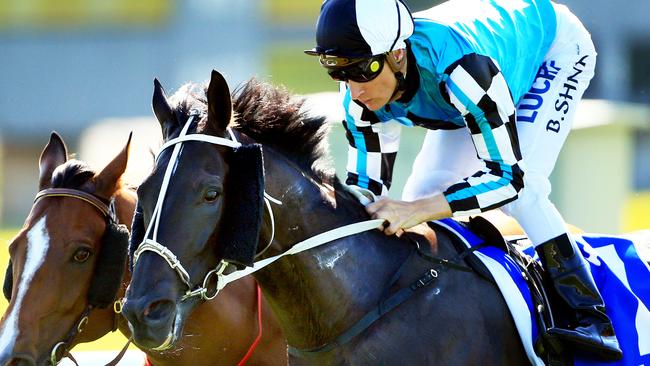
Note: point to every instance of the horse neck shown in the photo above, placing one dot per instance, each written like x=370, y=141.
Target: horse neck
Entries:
x=343, y=279
x=125, y=201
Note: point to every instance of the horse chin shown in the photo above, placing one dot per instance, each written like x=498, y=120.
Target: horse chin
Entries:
x=167, y=344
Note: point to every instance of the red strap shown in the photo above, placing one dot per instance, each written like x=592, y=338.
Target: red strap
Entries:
x=259, y=326
x=147, y=362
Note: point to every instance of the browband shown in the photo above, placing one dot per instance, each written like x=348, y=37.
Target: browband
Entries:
x=75, y=193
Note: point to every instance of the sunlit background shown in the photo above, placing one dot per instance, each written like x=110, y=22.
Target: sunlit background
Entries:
x=85, y=69
x=68, y=65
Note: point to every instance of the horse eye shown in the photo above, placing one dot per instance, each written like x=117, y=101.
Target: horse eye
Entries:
x=211, y=195
x=81, y=255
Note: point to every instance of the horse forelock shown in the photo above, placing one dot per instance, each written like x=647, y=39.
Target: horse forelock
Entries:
x=270, y=115
x=76, y=174
x=73, y=174
x=188, y=97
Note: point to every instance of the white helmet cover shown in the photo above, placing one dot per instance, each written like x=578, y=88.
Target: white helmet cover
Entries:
x=362, y=28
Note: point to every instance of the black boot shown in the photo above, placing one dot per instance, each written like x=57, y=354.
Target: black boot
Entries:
x=589, y=329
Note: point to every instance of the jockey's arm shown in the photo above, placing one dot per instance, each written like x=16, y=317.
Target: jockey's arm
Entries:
x=477, y=89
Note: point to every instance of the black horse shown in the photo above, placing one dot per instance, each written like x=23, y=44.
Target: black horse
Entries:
x=214, y=197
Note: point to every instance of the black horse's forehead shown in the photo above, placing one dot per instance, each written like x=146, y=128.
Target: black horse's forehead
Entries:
x=197, y=163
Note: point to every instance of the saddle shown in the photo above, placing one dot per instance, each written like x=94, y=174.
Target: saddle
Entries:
x=546, y=346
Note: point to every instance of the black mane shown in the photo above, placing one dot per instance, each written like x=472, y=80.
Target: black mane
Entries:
x=72, y=174
x=271, y=116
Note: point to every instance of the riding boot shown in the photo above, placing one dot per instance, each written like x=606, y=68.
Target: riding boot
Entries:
x=589, y=329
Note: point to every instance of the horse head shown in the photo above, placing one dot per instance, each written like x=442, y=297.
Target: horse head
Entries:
x=69, y=258
x=201, y=176
x=204, y=203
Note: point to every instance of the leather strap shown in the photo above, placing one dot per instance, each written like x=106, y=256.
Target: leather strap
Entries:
x=75, y=193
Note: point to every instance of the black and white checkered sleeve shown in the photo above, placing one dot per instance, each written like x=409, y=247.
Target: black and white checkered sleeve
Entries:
x=476, y=87
x=373, y=146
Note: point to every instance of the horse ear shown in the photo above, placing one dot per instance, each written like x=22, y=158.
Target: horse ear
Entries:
x=162, y=109
x=54, y=154
x=106, y=182
x=219, y=102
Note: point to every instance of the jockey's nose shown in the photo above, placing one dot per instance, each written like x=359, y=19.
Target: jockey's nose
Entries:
x=356, y=89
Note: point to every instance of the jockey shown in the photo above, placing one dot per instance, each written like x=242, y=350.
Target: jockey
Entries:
x=497, y=85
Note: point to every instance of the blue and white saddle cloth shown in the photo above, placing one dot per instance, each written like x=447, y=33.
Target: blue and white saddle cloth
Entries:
x=623, y=280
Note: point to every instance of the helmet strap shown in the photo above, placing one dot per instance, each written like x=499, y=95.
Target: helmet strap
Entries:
x=401, y=81
x=396, y=66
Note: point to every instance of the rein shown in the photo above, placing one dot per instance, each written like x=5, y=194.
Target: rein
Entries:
x=61, y=349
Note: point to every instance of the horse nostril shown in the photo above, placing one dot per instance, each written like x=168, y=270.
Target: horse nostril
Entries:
x=158, y=310
x=21, y=361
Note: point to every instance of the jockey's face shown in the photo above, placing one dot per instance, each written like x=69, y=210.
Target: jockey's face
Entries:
x=375, y=93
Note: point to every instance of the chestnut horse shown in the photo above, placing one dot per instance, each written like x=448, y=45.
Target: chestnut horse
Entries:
x=62, y=261
x=205, y=202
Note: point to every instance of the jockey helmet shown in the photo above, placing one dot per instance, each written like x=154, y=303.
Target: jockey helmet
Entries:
x=357, y=29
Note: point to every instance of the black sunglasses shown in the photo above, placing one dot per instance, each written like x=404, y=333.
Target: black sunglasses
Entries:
x=361, y=72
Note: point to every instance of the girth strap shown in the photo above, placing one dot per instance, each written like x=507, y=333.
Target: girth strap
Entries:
x=372, y=316
x=394, y=300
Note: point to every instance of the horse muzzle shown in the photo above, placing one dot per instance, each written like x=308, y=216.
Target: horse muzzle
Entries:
x=151, y=321
x=18, y=359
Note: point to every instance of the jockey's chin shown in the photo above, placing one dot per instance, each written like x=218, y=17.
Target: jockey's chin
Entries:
x=373, y=104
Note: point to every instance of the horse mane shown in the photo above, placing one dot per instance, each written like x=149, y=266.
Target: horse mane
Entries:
x=272, y=116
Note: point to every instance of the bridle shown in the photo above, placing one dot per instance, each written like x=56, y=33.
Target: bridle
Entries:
x=152, y=244
x=202, y=291
x=61, y=349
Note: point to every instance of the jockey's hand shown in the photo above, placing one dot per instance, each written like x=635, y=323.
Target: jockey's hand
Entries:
x=401, y=215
